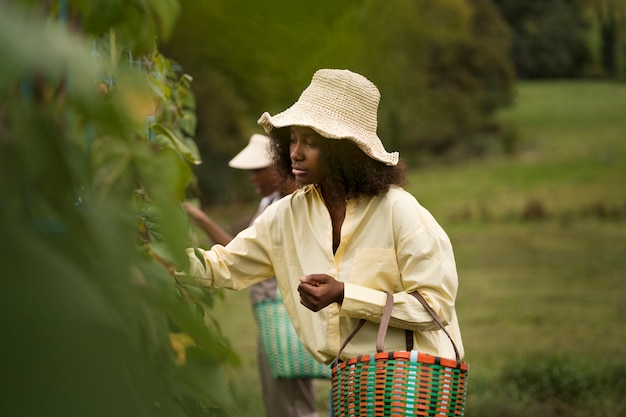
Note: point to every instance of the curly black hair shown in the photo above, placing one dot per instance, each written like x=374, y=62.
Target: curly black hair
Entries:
x=349, y=173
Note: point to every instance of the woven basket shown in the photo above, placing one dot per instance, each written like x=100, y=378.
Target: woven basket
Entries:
x=286, y=355
x=405, y=383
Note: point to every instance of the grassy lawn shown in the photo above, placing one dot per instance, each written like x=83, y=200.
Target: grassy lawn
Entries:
x=540, y=241
x=541, y=289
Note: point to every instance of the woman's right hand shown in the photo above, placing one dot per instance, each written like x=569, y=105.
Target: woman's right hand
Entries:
x=319, y=290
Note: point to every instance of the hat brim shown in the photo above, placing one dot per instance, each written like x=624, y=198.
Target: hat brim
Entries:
x=254, y=156
x=328, y=126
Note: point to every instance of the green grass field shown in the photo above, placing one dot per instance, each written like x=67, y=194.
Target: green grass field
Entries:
x=540, y=241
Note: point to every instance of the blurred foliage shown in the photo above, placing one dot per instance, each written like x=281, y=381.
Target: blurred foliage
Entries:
x=96, y=142
x=610, y=19
x=136, y=22
x=550, y=37
x=442, y=67
x=442, y=82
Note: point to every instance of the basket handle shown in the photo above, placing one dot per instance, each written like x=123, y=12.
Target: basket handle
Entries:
x=432, y=313
x=384, y=325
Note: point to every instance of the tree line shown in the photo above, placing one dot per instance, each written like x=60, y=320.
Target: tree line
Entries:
x=444, y=68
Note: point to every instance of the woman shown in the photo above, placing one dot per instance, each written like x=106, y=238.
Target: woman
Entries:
x=347, y=236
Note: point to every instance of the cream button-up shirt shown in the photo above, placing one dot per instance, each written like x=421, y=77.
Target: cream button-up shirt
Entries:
x=388, y=244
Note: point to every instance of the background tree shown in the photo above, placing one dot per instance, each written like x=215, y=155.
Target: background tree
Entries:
x=549, y=37
x=610, y=17
x=442, y=78
x=442, y=66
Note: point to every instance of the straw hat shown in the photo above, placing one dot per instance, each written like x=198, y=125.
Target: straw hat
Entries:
x=255, y=155
x=338, y=104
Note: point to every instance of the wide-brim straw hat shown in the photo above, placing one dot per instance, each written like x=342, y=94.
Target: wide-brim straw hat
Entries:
x=338, y=104
x=255, y=155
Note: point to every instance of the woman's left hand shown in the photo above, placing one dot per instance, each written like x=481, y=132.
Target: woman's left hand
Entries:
x=319, y=290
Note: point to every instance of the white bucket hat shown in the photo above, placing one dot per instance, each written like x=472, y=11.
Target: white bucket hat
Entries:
x=255, y=155
x=338, y=104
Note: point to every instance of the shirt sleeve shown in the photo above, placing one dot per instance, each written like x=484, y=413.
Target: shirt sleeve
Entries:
x=425, y=263
x=241, y=263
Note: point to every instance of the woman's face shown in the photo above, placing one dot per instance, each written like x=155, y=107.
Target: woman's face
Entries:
x=305, y=155
x=264, y=180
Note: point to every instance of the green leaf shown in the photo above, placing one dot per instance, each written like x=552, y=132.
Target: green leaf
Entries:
x=166, y=13
x=187, y=124
x=190, y=153
x=202, y=377
x=188, y=321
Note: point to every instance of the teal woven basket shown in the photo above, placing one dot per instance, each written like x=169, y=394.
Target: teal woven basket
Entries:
x=400, y=383
x=287, y=356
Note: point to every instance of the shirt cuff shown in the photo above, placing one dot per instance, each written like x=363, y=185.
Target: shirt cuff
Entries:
x=362, y=302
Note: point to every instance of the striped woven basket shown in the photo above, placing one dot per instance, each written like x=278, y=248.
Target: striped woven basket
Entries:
x=403, y=383
x=286, y=355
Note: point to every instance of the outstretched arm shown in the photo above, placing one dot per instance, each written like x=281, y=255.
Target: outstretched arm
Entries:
x=208, y=225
